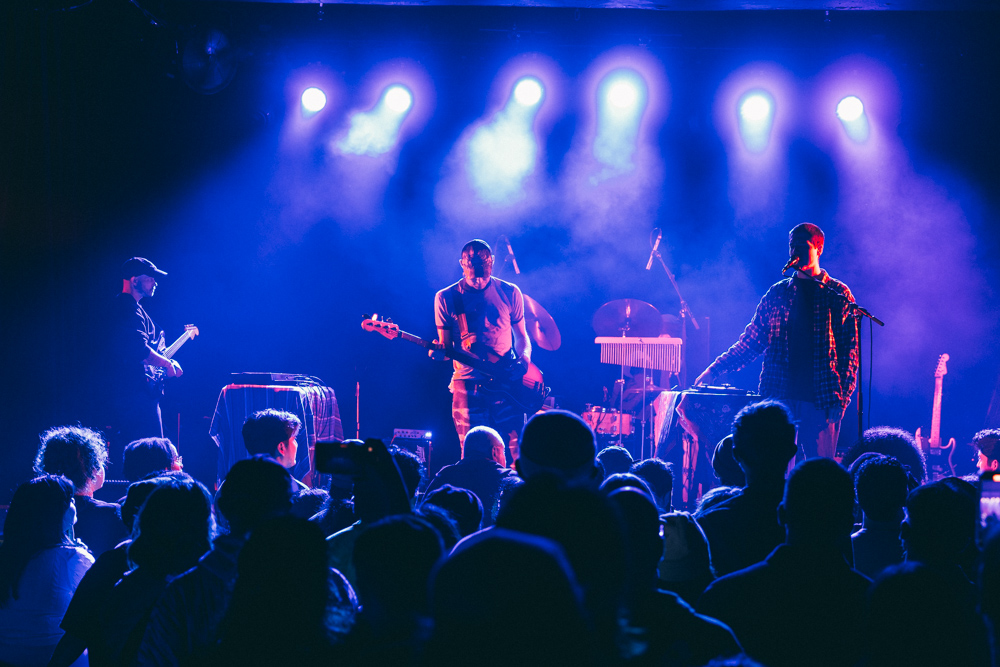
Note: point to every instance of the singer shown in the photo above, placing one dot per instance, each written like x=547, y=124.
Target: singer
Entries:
x=805, y=328
x=484, y=317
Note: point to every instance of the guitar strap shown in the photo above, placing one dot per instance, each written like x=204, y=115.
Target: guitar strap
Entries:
x=463, y=324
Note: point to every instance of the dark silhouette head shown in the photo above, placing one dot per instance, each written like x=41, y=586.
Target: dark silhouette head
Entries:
x=940, y=524
x=881, y=486
x=36, y=520
x=763, y=439
x=621, y=480
x=463, y=505
x=615, y=459
x=410, y=467
x=75, y=452
x=659, y=475
x=818, y=507
x=393, y=559
x=263, y=431
x=989, y=453
x=139, y=491
x=891, y=442
x=148, y=455
x=255, y=489
x=443, y=522
x=643, y=544
x=725, y=466
x=559, y=443
x=520, y=583
x=686, y=564
x=173, y=529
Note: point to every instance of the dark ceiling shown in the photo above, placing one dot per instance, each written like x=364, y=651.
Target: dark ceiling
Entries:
x=693, y=5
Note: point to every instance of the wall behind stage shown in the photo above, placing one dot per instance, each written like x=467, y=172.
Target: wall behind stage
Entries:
x=275, y=257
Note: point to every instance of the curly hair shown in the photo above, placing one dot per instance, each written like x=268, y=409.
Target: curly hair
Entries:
x=74, y=451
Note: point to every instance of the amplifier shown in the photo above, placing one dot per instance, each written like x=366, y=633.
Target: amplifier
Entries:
x=416, y=440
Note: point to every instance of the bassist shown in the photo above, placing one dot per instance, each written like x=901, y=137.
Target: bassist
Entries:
x=134, y=352
x=482, y=316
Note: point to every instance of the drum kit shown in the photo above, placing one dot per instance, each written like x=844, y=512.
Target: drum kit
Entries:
x=629, y=333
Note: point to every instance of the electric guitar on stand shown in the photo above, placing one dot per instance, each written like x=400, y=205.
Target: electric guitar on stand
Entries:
x=506, y=375
x=937, y=465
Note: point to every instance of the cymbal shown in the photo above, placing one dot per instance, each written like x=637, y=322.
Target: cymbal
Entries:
x=630, y=317
x=541, y=327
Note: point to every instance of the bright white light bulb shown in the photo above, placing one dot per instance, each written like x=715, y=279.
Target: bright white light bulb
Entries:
x=755, y=108
x=313, y=99
x=398, y=99
x=528, y=91
x=850, y=108
x=623, y=94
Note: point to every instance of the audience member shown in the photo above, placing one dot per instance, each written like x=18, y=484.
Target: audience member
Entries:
x=588, y=528
x=462, y=504
x=480, y=470
x=659, y=475
x=725, y=465
x=335, y=515
x=621, y=480
x=40, y=567
x=939, y=528
x=284, y=614
x=411, y=469
x=615, y=459
x=184, y=622
x=508, y=486
x=803, y=604
x=443, y=522
x=893, y=442
x=274, y=433
x=716, y=496
x=685, y=567
x=307, y=503
x=173, y=529
x=989, y=582
x=916, y=618
x=744, y=529
x=393, y=559
x=508, y=598
x=881, y=488
x=81, y=455
x=661, y=628
x=559, y=443
x=986, y=444
x=149, y=455
x=83, y=620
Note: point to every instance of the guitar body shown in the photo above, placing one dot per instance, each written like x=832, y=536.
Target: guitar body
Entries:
x=155, y=375
x=521, y=382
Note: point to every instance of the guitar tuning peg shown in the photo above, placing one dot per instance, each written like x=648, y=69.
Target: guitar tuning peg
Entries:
x=366, y=316
x=388, y=320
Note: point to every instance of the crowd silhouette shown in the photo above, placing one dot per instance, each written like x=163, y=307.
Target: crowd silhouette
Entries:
x=570, y=556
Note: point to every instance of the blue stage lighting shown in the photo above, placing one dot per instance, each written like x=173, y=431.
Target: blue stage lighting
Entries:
x=756, y=112
x=375, y=132
x=851, y=112
x=313, y=100
x=621, y=99
x=528, y=91
x=398, y=99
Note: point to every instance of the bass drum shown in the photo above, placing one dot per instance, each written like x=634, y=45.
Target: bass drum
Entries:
x=608, y=422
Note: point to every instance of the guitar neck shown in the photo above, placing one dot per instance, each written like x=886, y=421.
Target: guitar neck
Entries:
x=935, y=439
x=451, y=353
x=172, y=350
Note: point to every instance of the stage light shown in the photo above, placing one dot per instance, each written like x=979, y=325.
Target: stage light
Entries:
x=502, y=151
x=398, y=99
x=313, y=100
x=375, y=132
x=621, y=103
x=756, y=117
x=528, y=91
x=851, y=112
x=850, y=109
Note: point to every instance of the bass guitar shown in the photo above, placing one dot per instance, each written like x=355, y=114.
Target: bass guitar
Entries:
x=505, y=375
x=155, y=374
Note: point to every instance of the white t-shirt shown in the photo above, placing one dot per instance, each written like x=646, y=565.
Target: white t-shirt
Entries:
x=29, y=625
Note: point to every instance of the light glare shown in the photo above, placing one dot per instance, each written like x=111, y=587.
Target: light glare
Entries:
x=623, y=94
x=755, y=108
x=850, y=109
x=528, y=92
x=398, y=99
x=313, y=100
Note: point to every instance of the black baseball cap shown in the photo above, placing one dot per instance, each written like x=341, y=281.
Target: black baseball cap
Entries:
x=140, y=266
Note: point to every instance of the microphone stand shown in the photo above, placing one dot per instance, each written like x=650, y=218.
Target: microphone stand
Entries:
x=859, y=314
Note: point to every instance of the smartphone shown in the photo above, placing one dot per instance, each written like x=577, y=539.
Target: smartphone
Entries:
x=989, y=497
x=346, y=457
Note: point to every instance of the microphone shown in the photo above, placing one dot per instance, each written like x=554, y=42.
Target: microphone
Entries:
x=510, y=251
x=793, y=263
x=656, y=246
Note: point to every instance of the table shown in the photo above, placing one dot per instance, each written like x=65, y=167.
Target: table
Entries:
x=315, y=406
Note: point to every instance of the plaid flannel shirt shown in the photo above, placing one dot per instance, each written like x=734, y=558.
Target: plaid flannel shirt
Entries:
x=835, y=343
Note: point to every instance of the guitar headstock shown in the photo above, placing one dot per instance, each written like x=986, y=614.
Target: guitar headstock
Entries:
x=191, y=330
x=384, y=327
x=942, y=366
